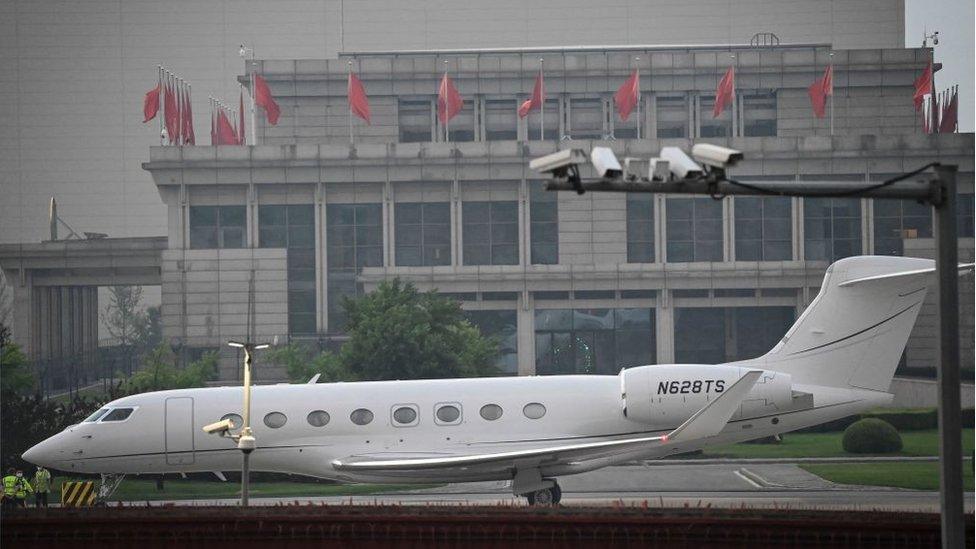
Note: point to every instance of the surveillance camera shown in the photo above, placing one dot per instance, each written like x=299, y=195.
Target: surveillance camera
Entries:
x=634, y=168
x=558, y=163
x=660, y=170
x=715, y=156
x=680, y=164
x=605, y=163
x=221, y=427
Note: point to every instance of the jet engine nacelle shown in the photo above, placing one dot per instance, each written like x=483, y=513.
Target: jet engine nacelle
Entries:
x=665, y=396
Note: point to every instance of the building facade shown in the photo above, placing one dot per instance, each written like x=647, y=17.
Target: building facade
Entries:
x=326, y=207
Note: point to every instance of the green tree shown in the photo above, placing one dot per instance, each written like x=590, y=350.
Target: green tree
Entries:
x=159, y=373
x=398, y=332
x=15, y=374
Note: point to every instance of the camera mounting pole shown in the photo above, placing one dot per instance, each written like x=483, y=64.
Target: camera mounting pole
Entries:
x=935, y=184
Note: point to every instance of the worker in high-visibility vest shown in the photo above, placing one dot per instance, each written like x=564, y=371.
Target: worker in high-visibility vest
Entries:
x=15, y=489
x=42, y=486
x=9, y=489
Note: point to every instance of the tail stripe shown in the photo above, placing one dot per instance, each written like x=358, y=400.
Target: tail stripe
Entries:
x=855, y=334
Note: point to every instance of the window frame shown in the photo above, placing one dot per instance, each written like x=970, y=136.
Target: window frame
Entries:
x=501, y=411
x=264, y=420
x=441, y=405
x=104, y=417
x=396, y=408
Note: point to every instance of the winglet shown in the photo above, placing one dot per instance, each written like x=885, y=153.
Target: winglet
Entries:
x=710, y=420
x=314, y=380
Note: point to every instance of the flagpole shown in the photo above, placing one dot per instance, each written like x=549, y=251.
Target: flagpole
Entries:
x=542, y=105
x=159, y=101
x=447, y=117
x=348, y=80
x=637, y=72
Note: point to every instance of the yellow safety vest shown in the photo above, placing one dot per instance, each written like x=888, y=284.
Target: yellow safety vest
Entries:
x=42, y=481
x=9, y=486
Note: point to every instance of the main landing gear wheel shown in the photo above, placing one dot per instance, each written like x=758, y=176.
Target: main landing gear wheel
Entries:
x=546, y=496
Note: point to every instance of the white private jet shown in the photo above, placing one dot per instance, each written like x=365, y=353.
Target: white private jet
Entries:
x=838, y=359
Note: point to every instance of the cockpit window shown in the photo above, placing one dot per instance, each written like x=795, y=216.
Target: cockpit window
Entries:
x=96, y=416
x=118, y=414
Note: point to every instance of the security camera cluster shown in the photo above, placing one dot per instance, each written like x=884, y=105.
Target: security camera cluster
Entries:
x=672, y=164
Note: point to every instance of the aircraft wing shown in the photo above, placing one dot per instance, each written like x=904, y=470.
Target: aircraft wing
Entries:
x=707, y=422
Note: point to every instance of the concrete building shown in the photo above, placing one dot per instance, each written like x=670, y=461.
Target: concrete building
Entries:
x=567, y=283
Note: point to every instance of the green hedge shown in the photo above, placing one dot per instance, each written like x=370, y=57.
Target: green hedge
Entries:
x=904, y=420
x=871, y=436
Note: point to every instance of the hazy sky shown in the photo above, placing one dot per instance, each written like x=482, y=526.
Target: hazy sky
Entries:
x=954, y=19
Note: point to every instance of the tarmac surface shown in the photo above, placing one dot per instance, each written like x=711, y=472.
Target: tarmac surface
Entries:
x=732, y=485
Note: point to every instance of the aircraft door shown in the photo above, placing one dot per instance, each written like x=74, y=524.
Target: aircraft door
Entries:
x=179, y=431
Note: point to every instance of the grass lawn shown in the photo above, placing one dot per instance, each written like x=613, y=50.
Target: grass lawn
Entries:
x=919, y=476
x=145, y=489
x=916, y=443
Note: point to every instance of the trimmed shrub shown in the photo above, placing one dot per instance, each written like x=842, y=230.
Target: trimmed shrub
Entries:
x=871, y=436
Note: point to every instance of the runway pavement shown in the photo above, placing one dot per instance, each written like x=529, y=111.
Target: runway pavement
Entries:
x=759, y=485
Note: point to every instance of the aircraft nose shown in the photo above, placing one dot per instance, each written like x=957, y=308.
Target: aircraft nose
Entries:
x=43, y=453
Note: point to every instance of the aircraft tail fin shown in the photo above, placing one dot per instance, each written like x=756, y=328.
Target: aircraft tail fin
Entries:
x=855, y=330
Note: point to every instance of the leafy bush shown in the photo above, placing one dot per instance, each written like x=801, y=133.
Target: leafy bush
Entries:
x=871, y=436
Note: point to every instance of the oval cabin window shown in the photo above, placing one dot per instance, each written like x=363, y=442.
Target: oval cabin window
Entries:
x=491, y=412
x=534, y=410
x=362, y=416
x=275, y=420
x=236, y=420
x=318, y=418
x=448, y=414
x=404, y=415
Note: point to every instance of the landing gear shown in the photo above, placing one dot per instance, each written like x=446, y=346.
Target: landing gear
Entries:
x=110, y=483
x=546, y=496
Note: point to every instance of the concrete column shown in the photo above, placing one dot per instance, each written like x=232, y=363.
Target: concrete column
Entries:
x=525, y=319
x=664, y=328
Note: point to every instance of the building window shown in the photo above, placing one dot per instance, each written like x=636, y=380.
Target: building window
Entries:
x=640, y=228
x=534, y=410
x=627, y=129
x=501, y=119
x=694, y=229
x=544, y=219
x=724, y=334
x=354, y=238
x=462, y=125
x=423, y=233
x=763, y=228
x=318, y=418
x=490, y=233
x=532, y=130
x=593, y=341
x=759, y=114
x=293, y=227
x=275, y=420
x=708, y=126
x=586, y=118
x=672, y=116
x=414, y=117
x=491, y=412
x=831, y=228
x=964, y=215
x=217, y=227
x=896, y=220
x=502, y=326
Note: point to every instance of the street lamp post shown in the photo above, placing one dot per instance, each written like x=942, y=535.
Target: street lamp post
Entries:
x=245, y=440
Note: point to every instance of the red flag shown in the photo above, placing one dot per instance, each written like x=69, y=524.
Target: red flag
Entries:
x=820, y=90
x=627, y=96
x=950, y=118
x=226, y=134
x=240, y=127
x=358, y=100
x=724, y=92
x=188, y=137
x=150, y=105
x=264, y=99
x=538, y=96
x=449, y=101
x=923, y=86
x=170, y=114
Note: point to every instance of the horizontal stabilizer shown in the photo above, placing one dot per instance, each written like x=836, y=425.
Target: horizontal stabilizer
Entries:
x=963, y=269
x=710, y=420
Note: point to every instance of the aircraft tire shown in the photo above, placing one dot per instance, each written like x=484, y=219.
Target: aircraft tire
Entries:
x=546, y=496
